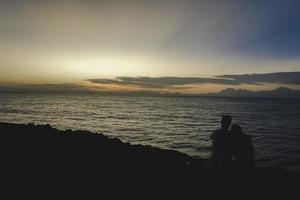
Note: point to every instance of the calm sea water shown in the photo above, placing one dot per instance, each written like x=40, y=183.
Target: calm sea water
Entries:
x=178, y=123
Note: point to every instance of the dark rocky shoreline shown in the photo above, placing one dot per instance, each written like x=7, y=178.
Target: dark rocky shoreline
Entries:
x=40, y=160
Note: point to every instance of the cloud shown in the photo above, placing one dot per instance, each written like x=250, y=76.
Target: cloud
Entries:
x=163, y=82
x=186, y=83
x=278, y=77
x=125, y=84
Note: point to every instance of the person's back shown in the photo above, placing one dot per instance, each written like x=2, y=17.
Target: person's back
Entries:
x=243, y=150
x=221, y=151
x=221, y=144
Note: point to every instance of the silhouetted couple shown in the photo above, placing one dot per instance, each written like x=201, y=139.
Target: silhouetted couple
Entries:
x=231, y=147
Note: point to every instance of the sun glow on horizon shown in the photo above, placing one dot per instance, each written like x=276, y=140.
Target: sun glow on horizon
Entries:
x=104, y=66
x=68, y=42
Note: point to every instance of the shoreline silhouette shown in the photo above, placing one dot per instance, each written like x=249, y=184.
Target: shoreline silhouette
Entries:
x=72, y=162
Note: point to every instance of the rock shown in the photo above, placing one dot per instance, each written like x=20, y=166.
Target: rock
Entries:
x=45, y=158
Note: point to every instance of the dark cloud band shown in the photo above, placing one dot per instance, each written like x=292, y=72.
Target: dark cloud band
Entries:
x=156, y=84
x=166, y=82
x=163, y=82
x=279, y=77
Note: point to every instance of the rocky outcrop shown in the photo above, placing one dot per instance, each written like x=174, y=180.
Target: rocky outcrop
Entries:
x=39, y=159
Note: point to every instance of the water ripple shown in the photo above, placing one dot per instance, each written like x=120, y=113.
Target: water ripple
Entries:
x=183, y=124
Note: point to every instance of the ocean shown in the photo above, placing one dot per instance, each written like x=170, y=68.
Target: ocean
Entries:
x=179, y=123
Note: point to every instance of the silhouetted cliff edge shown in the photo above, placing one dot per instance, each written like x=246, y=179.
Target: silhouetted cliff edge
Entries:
x=41, y=160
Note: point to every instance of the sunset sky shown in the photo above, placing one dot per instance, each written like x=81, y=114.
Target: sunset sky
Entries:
x=125, y=45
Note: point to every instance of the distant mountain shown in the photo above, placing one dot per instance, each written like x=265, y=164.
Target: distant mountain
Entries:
x=281, y=92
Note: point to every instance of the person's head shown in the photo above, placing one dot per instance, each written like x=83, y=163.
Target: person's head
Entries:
x=236, y=129
x=226, y=121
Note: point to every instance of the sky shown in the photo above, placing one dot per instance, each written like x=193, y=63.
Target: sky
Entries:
x=99, y=45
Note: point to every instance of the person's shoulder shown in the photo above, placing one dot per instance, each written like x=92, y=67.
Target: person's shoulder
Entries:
x=249, y=138
x=246, y=136
x=216, y=133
